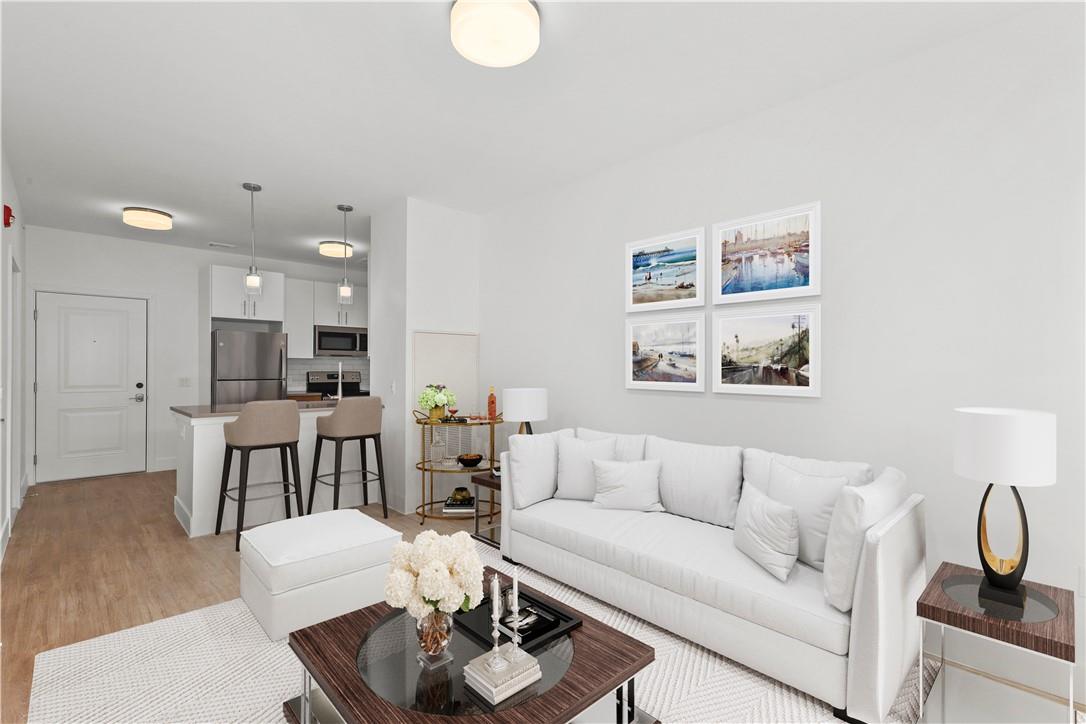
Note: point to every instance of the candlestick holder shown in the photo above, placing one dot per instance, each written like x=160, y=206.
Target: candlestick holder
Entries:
x=496, y=662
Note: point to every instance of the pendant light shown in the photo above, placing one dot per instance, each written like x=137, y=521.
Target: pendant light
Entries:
x=346, y=289
x=253, y=281
x=495, y=33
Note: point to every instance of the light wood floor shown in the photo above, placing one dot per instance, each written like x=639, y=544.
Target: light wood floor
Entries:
x=94, y=556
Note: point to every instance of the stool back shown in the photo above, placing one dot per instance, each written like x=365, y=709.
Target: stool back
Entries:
x=269, y=422
x=353, y=417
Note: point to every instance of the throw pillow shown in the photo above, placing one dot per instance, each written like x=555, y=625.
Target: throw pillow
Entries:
x=533, y=467
x=756, y=465
x=813, y=497
x=857, y=509
x=767, y=531
x=698, y=481
x=631, y=485
x=627, y=447
x=576, y=477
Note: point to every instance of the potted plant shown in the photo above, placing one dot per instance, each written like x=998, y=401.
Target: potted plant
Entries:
x=431, y=578
x=435, y=398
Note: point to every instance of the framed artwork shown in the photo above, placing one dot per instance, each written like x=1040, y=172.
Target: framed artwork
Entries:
x=770, y=256
x=769, y=350
x=665, y=352
x=665, y=272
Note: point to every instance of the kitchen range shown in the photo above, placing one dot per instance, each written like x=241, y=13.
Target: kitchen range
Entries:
x=327, y=384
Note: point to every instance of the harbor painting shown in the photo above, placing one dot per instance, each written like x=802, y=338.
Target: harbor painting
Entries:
x=770, y=256
x=665, y=353
x=665, y=272
x=771, y=351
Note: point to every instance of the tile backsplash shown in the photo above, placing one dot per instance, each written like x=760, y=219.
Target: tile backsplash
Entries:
x=297, y=369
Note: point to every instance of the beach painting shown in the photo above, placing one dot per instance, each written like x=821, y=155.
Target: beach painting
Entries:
x=769, y=256
x=768, y=351
x=665, y=353
x=665, y=272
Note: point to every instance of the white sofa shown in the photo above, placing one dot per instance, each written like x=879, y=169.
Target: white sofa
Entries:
x=686, y=576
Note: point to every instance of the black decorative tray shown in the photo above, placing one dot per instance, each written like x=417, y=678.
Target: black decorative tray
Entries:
x=551, y=621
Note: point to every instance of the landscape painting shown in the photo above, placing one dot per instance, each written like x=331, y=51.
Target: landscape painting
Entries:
x=771, y=256
x=665, y=272
x=768, y=351
x=665, y=353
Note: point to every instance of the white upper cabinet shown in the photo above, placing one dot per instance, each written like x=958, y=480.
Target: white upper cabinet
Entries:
x=326, y=304
x=229, y=300
x=299, y=319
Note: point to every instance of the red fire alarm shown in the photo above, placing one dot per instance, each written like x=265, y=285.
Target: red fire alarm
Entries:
x=9, y=216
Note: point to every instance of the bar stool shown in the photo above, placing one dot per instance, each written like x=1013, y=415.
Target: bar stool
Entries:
x=354, y=418
x=260, y=426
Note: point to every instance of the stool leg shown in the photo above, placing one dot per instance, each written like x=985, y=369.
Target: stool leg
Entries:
x=286, y=478
x=297, y=478
x=243, y=481
x=365, y=480
x=222, y=488
x=335, y=478
x=313, y=479
x=381, y=473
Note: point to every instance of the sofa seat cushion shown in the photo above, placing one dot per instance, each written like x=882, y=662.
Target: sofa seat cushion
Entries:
x=693, y=559
x=297, y=552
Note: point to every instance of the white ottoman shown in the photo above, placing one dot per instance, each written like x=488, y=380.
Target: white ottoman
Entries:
x=301, y=571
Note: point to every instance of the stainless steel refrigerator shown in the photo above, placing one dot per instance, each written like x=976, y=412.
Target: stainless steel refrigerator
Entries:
x=247, y=366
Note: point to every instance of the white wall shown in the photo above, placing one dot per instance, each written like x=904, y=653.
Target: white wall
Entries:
x=175, y=281
x=951, y=185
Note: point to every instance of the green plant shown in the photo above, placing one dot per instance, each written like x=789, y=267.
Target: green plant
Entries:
x=436, y=396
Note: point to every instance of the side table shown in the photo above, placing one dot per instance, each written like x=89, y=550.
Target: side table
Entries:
x=1036, y=618
x=491, y=533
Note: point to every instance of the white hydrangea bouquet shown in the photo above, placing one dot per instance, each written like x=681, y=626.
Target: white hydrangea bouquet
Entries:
x=431, y=578
x=436, y=397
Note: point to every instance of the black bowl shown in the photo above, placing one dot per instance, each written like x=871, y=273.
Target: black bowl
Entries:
x=469, y=461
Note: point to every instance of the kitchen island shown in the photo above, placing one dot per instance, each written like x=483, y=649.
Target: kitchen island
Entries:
x=201, y=448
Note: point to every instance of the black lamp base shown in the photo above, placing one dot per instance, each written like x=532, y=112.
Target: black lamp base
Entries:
x=1003, y=573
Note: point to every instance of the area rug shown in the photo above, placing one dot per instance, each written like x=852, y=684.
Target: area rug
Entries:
x=216, y=664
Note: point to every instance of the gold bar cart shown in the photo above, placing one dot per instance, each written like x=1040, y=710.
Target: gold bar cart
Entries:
x=427, y=465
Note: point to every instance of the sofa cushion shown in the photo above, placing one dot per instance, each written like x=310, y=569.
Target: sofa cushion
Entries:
x=633, y=485
x=813, y=498
x=576, y=476
x=756, y=465
x=693, y=559
x=297, y=552
x=627, y=447
x=856, y=510
x=767, y=531
x=698, y=481
x=533, y=466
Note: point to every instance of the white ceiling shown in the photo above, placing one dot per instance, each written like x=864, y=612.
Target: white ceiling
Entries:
x=173, y=105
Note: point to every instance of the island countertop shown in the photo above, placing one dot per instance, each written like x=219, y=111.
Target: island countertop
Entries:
x=202, y=411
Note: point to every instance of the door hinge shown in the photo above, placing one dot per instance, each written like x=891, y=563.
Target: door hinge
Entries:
x=35, y=387
x=35, y=458
x=35, y=314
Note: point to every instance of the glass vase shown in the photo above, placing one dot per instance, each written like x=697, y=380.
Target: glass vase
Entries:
x=434, y=632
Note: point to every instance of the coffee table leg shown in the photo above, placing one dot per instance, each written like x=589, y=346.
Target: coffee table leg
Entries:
x=307, y=715
x=630, y=709
x=920, y=678
x=1071, y=691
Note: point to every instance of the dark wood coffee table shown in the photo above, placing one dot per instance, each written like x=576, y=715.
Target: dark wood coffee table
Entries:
x=604, y=661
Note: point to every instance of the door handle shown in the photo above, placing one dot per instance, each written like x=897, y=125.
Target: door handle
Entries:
x=138, y=398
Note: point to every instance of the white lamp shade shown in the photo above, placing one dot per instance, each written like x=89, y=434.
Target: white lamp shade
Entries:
x=1005, y=446
x=524, y=404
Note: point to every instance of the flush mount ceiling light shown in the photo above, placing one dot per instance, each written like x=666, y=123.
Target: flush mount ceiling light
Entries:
x=495, y=33
x=144, y=218
x=335, y=249
x=253, y=281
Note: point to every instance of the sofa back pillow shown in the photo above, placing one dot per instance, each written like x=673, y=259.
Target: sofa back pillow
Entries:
x=533, y=467
x=856, y=510
x=576, y=476
x=757, y=463
x=813, y=498
x=767, y=531
x=698, y=481
x=627, y=447
x=633, y=485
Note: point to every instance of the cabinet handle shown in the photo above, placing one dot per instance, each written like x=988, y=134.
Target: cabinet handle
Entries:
x=254, y=307
x=346, y=318
x=245, y=307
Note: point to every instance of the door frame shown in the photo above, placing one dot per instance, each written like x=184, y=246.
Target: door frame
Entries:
x=149, y=435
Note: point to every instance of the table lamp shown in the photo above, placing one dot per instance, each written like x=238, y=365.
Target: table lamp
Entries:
x=1002, y=446
x=524, y=405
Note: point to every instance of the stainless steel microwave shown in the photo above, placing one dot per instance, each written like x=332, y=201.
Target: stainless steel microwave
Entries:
x=339, y=341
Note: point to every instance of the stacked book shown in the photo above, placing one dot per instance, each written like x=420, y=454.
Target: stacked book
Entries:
x=463, y=505
x=497, y=686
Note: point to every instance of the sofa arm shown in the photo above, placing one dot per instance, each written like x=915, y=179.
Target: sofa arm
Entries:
x=885, y=639
x=507, y=503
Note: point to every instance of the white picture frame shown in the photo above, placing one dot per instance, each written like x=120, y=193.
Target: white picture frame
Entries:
x=765, y=266
x=674, y=350
x=641, y=300
x=758, y=322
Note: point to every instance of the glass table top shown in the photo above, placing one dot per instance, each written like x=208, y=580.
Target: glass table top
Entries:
x=1026, y=605
x=388, y=664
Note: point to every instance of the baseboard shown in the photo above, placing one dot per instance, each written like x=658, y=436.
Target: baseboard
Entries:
x=168, y=463
x=5, y=534
x=24, y=486
x=184, y=517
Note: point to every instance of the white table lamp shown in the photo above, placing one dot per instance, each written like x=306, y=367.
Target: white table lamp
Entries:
x=1002, y=446
x=524, y=405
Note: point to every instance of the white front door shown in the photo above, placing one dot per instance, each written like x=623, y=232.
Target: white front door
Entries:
x=92, y=386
